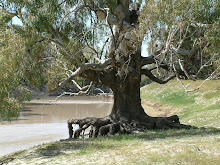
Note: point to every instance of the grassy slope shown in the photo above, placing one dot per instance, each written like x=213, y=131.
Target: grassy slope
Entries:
x=152, y=147
x=200, y=108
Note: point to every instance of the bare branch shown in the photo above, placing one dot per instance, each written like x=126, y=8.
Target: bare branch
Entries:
x=93, y=49
x=183, y=52
x=184, y=87
x=179, y=80
x=186, y=90
x=169, y=39
x=183, y=69
x=89, y=88
x=77, y=85
x=80, y=93
x=209, y=78
x=74, y=82
x=100, y=90
x=103, y=47
x=80, y=70
x=201, y=25
x=203, y=66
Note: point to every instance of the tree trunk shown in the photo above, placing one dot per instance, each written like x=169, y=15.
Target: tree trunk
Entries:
x=126, y=89
x=127, y=101
x=127, y=113
x=124, y=79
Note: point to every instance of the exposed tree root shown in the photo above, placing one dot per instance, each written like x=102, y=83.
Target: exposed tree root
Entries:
x=109, y=127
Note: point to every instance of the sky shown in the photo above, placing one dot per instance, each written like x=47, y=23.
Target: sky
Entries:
x=16, y=21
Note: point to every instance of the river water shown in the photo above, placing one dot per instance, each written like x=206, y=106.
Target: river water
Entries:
x=42, y=121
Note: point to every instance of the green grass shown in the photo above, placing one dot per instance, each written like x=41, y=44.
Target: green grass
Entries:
x=183, y=147
x=200, y=108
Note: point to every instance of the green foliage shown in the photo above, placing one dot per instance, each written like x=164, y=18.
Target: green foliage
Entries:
x=47, y=44
x=11, y=97
x=213, y=37
x=56, y=72
x=160, y=18
x=4, y=18
x=35, y=64
x=21, y=65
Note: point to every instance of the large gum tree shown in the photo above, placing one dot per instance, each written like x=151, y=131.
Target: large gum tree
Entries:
x=101, y=40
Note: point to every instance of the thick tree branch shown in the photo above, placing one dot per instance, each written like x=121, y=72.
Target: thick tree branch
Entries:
x=80, y=70
x=104, y=77
x=154, y=78
x=110, y=19
x=147, y=60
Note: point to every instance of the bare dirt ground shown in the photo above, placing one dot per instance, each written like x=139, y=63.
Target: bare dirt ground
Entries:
x=157, y=110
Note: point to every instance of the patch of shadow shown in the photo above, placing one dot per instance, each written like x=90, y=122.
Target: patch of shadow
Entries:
x=178, y=133
x=6, y=160
x=81, y=146
x=59, y=148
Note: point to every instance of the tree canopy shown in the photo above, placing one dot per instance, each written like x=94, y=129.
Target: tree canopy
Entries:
x=59, y=41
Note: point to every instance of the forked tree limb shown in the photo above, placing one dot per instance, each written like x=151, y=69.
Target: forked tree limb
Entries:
x=80, y=70
x=85, y=90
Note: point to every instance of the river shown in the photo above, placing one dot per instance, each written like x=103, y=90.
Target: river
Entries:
x=45, y=120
